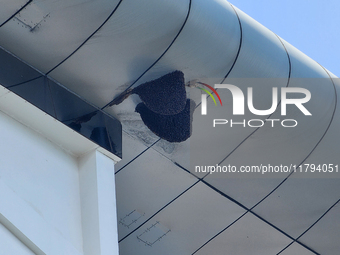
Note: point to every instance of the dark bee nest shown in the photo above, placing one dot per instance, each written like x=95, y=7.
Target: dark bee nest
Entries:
x=173, y=128
x=165, y=109
x=165, y=95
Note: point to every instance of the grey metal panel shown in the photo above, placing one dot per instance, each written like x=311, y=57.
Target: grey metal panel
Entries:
x=10, y=7
x=296, y=248
x=262, y=54
x=46, y=32
x=309, y=192
x=249, y=235
x=134, y=192
x=327, y=152
x=136, y=35
x=279, y=145
x=302, y=65
x=193, y=219
x=298, y=203
x=131, y=149
x=207, y=46
x=323, y=237
x=262, y=64
x=208, y=57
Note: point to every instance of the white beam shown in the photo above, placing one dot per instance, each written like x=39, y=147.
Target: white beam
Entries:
x=98, y=204
x=30, y=227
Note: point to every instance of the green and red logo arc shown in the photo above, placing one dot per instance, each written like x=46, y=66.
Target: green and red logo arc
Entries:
x=209, y=93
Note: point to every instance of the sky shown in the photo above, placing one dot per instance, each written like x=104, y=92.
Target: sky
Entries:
x=312, y=26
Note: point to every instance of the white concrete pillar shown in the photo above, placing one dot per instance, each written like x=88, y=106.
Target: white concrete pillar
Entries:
x=98, y=204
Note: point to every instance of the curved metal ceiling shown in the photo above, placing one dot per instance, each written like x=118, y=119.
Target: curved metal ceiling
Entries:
x=100, y=49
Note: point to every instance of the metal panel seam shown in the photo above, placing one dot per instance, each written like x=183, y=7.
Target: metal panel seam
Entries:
x=81, y=45
x=166, y=50
x=16, y=13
